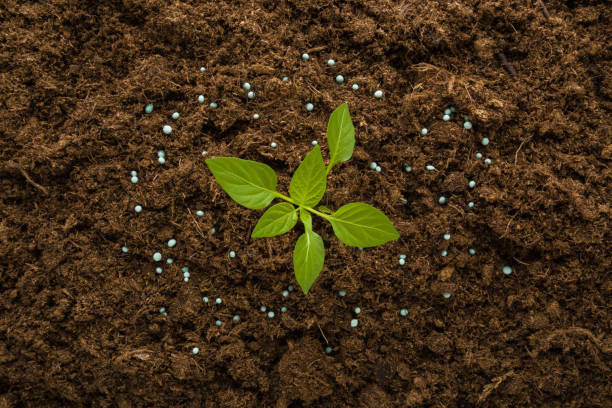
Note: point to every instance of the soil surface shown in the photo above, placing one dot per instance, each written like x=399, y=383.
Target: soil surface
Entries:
x=79, y=319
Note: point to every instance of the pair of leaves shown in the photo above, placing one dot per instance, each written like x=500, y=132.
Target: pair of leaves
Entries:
x=253, y=185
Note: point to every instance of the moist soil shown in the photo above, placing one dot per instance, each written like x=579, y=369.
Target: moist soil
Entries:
x=79, y=319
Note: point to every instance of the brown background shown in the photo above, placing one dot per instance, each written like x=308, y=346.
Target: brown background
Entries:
x=79, y=320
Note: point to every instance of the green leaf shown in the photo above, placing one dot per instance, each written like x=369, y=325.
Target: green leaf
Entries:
x=361, y=225
x=277, y=220
x=340, y=135
x=309, y=180
x=308, y=259
x=249, y=183
x=324, y=209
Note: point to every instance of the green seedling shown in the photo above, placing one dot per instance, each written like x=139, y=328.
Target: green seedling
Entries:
x=253, y=185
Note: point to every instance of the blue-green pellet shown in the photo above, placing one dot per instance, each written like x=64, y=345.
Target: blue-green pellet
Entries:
x=175, y=115
x=251, y=95
x=205, y=299
x=485, y=141
x=357, y=310
x=158, y=270
x=212, y=231
x=378, y=94
x=255, y=116
x=285, y=293
x=446, y=295
x=360, y=248
x=487, y=161
x=218, y=323
x=402, y=256
x=273, y=145
x=218, y=301
x=185, y=269
x=471, y=204
x=283, y=309
x=354, y=323
x=167, y=129
x=309, y=107
x=285, y=79
x=171, y=242
x=340, y=79
x=444, y=252
x=403, y=201
x=161, y=153
x=157, y=257
x=186, y=279
x=408, y=169
x=446, y=118
x=447, y=111
x=133, y=173
x=402, y=261
x=162, y=310
x=236, y=318
x=246, y=86
x=263, y=309
x=452, y=109
x=195, y=350
x=442, y=200
x=270, y=314
x=169, y=260
x=213, y=105
x=290, y=288
x=331, y=62
x=125, y=249
x=200, y=213
x=202, y=69
x=404, y=312
x=134, y=179
x=447, y=236
x=507, y=270
x=201, y=98
x=149, y=108
x=467, y=125
x=430, y=167
x=424, y=131
x=161, y=160
x=472, y=251
x=472, y=184
x=138, y=208
x=378, y=169
x=355, y=87
x=479, y=155
x=305, y=56
x=328, y=350
x=314, y=143
x=232, y=254
x=341, y=293
x=204, y=152
x=373, y=165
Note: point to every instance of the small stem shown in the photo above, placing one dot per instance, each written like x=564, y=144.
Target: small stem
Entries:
x=284, y=197
x=320, y=214
x=312, y=210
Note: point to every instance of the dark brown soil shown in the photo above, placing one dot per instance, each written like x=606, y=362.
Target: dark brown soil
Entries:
x=79, y=320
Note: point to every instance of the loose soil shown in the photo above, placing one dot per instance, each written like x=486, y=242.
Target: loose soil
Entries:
x=79, y=320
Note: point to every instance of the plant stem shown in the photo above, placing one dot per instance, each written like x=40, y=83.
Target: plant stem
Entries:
x=312, y=210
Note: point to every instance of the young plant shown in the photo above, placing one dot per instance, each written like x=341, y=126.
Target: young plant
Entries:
x=253, y=185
